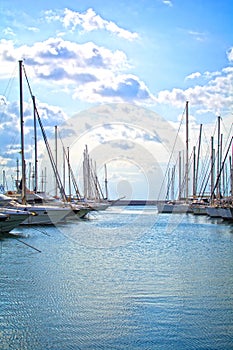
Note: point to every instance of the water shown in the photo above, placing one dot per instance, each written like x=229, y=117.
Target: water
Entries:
x=126, y=279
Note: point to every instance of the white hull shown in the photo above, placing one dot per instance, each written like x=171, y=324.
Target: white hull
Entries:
x=50, y=212
x=46, y=215
x=10, y=219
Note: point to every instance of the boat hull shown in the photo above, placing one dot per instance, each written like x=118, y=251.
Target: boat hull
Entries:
x=213, y=212
x=199, y=210
x=9, y=220
x=46, y=215
x=170, y=208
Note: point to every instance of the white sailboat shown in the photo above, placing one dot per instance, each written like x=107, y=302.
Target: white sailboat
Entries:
x=45, y=214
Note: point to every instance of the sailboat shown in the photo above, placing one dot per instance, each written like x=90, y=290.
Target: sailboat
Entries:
x=221, y=207
x=45, y=214
x=63, y=207
x=179, y=206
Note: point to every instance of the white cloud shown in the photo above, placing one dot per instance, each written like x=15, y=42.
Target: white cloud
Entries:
x=9, y=31
x=87, y=71
x=211, y=75
x=215, y=96
x=168, y=3
x=193, y=76
x=89, y=21
x=120, y=88
x=55, y=55
x=199, y=36
x=92, y=73
x=33, y=29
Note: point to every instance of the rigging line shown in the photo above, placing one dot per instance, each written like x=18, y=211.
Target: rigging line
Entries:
x=57, y=176
x=221, y=169
x=71, y=170
x=228, y=137
x=165, y=175
x=215, y=128
x=96, y=183
x=52, y=161
x=204, y=182
x=225, y=128
x=177, y=190
x=10, y=82
x=205, y=163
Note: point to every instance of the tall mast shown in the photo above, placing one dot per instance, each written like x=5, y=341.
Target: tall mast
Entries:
x=198, y=157
x=56, y=158
x=106, y=181
x=220, y=166
x=218, y=157
x=69, y=182
x=194, y=172
x=17, y=174
x=187, y=152
x=22, y=133
x=173, y=183
x=180, y=175
x=212, y=156
x=64, y=169
x=231, y=170
x=35, y=145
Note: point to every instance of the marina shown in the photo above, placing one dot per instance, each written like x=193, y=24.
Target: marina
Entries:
x=116, y=182
x=127, y=278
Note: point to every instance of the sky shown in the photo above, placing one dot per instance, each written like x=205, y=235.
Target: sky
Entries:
x=138, y=60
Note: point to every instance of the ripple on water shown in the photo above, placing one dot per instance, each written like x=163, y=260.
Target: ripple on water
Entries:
x=123, y=280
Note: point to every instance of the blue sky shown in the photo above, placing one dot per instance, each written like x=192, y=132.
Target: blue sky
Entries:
x=152, y=54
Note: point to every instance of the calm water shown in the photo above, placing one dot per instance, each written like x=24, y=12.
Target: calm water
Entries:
x=125, y=279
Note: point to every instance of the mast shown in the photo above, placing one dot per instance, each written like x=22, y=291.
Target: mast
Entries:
x=69, y=182
x=230, y=182
x=187, y=152
x=35, y=145
x=29, y=175
x=220, y=165
x=4, y=179
x=168, y=185
x=17, y=174
x=198, y=157
x=106, y=181
x=85, y=173
x=23, y=195
x=64, y=169
x=212, y=168
x=56, y=158
x=194, y=172
x=220, y=171
x=231, y=170
x=173, y=183
x=218, y=158
x=180, y=175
